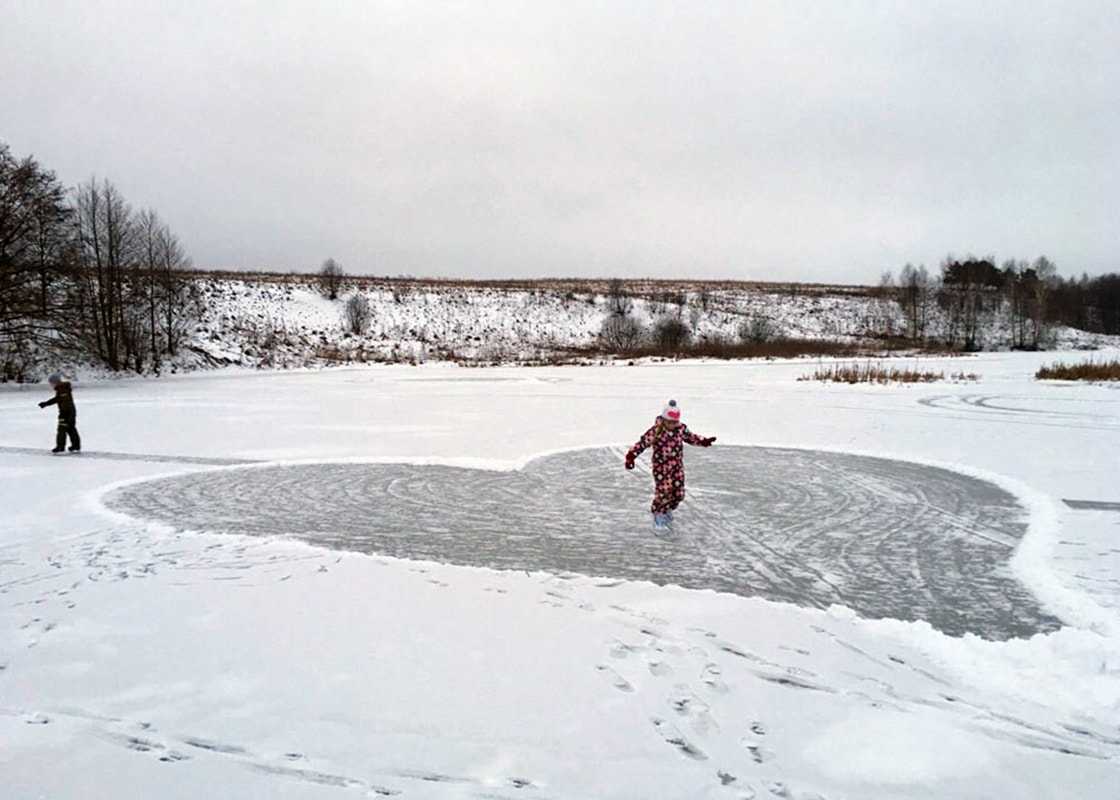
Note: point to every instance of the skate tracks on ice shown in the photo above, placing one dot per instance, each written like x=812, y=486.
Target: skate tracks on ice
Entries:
x=887, y=538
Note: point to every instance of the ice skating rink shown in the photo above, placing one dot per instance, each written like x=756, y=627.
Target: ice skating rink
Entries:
x=888, y=538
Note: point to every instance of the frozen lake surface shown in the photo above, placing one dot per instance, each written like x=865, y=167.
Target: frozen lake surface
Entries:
x=435, y=583
x=888, y=538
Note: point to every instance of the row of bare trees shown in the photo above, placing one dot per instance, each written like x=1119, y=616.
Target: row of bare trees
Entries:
x=1091, y=304
x=970, y=293
x=82, y=274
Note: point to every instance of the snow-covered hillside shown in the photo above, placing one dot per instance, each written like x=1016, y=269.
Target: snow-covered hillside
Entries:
x=289, y=322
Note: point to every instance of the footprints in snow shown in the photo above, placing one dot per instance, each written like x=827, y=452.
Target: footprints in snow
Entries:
x=617, y=681
x=692, y=708
x=125, y=553
x=147, y=741
x=144, y=739
x=672, y=735
x=688, y=674
x=753, y=742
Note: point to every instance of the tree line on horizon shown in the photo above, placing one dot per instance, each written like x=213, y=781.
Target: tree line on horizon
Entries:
x=1030, y=294
x=84, y=274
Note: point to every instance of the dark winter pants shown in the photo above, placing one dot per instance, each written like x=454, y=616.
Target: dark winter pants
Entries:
x=668, y=487
x=67, y=426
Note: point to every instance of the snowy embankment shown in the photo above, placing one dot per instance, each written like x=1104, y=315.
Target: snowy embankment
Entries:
x=290, y=323
x=139, y=659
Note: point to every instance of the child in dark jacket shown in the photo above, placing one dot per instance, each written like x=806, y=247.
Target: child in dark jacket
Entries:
x=667, y=437
x=67, y=414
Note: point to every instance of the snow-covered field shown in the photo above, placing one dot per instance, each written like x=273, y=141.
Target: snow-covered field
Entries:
x=188, y=638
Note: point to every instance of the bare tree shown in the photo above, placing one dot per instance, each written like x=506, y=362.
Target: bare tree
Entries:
x=884, y=304
x=162, y=286
x=33, y=236
x=330, y=276
x=1015, y=289
x=101, y=310
x=671, y=334
x=916, y=290
x=358, y=314
x=1046, y=277
x=620, y=302
x=180, y=301
x=620, y=333
x=149, y=230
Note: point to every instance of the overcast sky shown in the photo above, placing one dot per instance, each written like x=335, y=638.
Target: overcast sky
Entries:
x=823, y=141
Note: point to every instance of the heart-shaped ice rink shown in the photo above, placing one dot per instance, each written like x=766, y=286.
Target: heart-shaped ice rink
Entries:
x=887, y=538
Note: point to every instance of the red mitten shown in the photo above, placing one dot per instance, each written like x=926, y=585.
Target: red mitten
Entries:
x=708, y=442
x=629, y=461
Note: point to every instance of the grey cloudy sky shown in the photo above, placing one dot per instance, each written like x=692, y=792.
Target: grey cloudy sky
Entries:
x=762, y=140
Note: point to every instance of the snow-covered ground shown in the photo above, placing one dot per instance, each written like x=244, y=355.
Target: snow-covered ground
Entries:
x=236, y=658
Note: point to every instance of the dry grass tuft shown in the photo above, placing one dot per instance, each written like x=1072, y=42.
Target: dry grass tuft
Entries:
x=872, y=373
x=1088, y=371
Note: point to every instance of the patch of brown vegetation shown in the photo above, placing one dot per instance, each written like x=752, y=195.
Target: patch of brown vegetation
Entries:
x=1087, y=371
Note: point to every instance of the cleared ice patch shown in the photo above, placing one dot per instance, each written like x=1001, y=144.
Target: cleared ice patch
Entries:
x=890, y=539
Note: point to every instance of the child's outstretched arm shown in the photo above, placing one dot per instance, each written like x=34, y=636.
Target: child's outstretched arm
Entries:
x=639, y=446
x=700, y=441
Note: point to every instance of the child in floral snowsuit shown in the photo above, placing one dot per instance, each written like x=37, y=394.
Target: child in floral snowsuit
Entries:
x=667, y=437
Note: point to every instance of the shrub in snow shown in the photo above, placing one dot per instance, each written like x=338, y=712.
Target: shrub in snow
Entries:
x=671, y=335
x=756, y=330
x=357, y=314
x=620, y=333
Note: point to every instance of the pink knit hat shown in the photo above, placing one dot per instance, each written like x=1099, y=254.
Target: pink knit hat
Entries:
x=672, y=412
